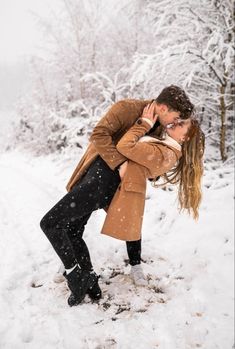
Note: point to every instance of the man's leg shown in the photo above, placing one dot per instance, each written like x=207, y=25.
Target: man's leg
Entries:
x=75, y=208
x=56, y=225
x=95, y=190
x=75, y=233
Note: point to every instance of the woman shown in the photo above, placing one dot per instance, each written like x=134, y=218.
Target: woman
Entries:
x=180, y=150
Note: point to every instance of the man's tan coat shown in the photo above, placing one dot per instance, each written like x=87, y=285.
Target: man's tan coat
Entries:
x=115, y=139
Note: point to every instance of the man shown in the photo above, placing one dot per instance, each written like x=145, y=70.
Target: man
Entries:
x=103, y=164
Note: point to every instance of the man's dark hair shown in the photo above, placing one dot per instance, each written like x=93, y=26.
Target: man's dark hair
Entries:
x=176, y=100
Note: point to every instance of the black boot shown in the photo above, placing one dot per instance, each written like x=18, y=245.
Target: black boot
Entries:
x=95, y=292
x=79, y=281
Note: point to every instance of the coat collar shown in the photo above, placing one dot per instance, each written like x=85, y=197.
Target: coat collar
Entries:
x=165, y=140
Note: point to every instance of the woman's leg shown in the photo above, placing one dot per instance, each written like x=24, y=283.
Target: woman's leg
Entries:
x=134, y=251
x=134, y=254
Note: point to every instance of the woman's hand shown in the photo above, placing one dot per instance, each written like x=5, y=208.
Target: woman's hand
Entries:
x=149, y=113
x=122, y=169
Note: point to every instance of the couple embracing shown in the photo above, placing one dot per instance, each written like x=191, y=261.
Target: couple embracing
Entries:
x=135, y=141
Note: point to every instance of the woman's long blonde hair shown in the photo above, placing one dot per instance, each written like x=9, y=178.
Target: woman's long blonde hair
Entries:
x=189, y=170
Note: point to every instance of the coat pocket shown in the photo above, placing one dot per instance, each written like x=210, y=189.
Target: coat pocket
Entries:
x=136, y=187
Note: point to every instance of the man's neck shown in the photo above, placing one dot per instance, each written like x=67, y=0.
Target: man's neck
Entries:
x=154, y=128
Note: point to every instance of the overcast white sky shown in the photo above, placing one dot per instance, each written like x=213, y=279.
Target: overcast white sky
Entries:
x=19, y=33
x=20, y=36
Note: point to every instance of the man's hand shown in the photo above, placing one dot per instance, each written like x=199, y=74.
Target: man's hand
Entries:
x=122, y=169
x=149, y=114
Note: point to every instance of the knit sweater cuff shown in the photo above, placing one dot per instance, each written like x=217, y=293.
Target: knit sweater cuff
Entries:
x=148, y=121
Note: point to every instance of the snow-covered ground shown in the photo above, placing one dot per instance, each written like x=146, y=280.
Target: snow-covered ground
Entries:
x=189, y=300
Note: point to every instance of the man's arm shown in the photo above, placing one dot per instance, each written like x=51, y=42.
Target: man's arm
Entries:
x=101, y=136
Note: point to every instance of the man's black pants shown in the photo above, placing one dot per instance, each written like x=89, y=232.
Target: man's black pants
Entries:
x=65, y=222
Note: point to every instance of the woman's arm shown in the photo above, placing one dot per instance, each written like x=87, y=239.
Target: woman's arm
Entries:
x=157, y=157
x=122, y=168
x=119, y=117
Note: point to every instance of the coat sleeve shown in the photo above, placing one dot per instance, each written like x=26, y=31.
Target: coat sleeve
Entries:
x=101, y=136
x=157, y=157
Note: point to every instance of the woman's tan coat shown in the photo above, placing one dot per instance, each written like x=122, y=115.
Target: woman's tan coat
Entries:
x=146, y=160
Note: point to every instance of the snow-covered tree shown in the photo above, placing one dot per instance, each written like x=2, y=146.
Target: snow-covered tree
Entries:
x=99, y=52
x=194, y=48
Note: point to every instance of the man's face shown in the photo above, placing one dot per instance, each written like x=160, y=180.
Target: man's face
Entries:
x=165, y=116
x=180, y=130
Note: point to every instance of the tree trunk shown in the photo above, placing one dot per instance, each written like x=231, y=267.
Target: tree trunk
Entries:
x=223, y=152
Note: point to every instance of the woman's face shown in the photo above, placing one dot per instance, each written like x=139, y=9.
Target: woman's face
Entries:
x=179, y=131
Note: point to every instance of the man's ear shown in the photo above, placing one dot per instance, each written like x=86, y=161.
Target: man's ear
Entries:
x=163, y=108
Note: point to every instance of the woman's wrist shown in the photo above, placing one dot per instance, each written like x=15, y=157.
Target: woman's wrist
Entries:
x=148, y=121
x=119, y=166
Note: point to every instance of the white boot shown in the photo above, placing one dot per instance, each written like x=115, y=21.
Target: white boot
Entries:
x=59, y=277
x=138, y=276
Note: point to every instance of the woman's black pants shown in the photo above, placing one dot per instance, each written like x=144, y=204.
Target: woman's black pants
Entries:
x=65, y=222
